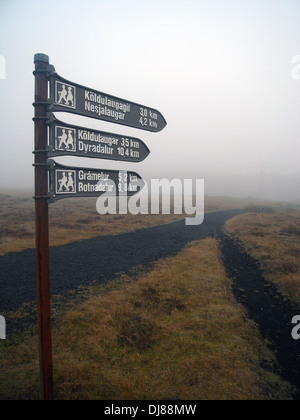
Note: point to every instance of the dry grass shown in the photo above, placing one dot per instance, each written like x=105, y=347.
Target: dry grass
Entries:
x=273, y=238
x=176, y=332
x=70, y=220
x=73, y=220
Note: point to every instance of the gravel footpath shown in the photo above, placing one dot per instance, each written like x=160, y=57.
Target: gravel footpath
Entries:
x=266, y=307
x=98, y=259
x=103, y=258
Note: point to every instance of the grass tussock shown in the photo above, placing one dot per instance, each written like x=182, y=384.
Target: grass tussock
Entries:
x=69, y=221
x=176, y=332
x=74, y=220
x=273, y=238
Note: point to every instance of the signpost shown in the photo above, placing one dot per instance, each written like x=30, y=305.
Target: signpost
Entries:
x=68, y=182
x=71, y=140
x=54, y=181
x=70, y=97
x=42, y=225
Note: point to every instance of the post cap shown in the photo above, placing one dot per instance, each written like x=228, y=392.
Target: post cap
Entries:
x=41, y=58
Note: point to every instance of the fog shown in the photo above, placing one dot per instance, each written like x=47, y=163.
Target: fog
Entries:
x=224, y=74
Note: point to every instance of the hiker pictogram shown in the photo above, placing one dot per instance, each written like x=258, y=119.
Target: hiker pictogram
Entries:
x=65, y=139
x=70, y=141
x=62, y=140
x=70, y=97
x=65, y=95
x=66, y=182
x=62, y=95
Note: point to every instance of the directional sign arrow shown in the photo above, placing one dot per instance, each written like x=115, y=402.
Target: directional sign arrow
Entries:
x=68, y=182
x=66, y=139
x=67, y=96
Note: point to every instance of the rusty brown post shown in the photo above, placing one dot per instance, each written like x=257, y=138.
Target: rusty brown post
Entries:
x=41, y=62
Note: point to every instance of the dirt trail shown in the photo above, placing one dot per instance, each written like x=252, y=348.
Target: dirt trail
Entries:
x=103, y=258
x=99, y=259
x=265, y=306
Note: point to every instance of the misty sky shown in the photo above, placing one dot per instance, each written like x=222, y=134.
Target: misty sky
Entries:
x=220, y=72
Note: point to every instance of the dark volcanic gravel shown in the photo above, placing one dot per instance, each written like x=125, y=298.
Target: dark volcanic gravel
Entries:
x=98, y=259
x=102, y=258
x=266, y=307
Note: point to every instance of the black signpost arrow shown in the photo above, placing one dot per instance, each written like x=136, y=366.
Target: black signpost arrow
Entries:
x=68, y=182
x=71, y=97
x=71, y=140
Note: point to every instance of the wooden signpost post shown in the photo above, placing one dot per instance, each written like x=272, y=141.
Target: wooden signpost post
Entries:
x=54, y=181
x=42, y=226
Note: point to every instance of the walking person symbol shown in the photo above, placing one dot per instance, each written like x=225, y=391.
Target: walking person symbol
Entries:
x=70, y=141
x=63, y=183
x=63, y=95
x=70, y=97
x=66, y=183
x=70, y=182
x=63, y=140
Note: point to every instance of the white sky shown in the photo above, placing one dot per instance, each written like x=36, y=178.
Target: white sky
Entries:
x=220, y=72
